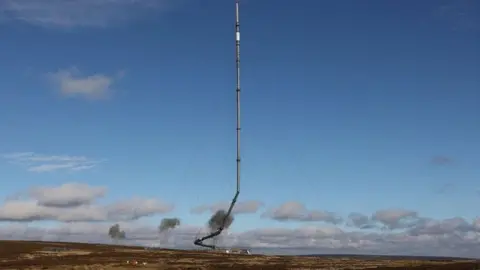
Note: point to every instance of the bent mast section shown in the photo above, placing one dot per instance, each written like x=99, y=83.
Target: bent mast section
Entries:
x=199, y=242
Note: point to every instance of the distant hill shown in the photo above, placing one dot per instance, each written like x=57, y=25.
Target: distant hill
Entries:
x=386, y=257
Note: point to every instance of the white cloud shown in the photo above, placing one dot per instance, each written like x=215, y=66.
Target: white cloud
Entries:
x=76, y=202
x=29, y=210
x=396, y=218
x=78, y=13
x=360, y=221
x=245, y=207
x=47, y=163
x=67, y=195
x=136, y=208
x=71, y=83
x=296, y=211
x=459, y=15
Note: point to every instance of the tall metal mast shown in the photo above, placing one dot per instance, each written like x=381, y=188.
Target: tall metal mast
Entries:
x=199, y=241
x=237, y=52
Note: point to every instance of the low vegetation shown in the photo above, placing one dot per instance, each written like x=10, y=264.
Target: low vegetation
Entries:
x=50, y=255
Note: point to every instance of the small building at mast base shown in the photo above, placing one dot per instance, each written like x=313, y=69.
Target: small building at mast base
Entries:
x=238, y=251
x=243, y=251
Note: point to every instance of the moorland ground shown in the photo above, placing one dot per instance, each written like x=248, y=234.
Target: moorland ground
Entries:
x=58, y=255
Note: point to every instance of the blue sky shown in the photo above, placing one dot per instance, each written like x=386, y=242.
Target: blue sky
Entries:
x=346, y=106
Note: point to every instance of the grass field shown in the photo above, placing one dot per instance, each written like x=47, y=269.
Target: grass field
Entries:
x=51, y=255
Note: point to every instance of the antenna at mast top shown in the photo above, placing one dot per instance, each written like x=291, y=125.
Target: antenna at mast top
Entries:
x=236, y=10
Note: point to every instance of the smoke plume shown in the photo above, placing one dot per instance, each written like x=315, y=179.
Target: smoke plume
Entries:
x=165, y=226
x=217, y=219
x=168, y=223
x=115, y=233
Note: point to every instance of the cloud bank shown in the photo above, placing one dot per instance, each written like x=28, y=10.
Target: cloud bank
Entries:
x=301, y=240
x=81, y=217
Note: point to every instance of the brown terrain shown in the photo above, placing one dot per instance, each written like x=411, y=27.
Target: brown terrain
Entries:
x=50, y=255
